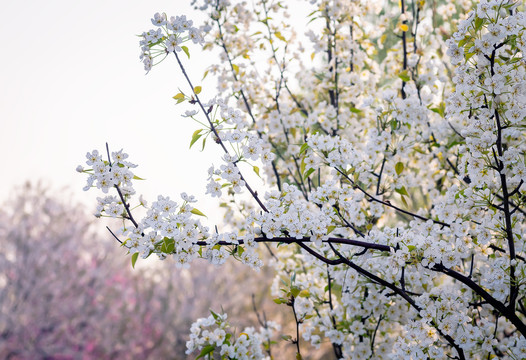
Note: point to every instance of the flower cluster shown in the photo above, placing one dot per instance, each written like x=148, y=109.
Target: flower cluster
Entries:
x=167, y=38
x=169, y=228
x=211, y=335
x=105, y=175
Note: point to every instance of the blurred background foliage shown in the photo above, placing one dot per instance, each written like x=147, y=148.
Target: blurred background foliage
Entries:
x=67, y=292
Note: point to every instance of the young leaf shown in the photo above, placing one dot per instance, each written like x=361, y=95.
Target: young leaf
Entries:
x=404, y=75
x=399, y=167
x=295, y=291
x=216, y=317
x=197, y=212
x=256, y=170
x=185, y=49
x=279, y=36
x=134, y=259
x=404, y=202
x=168, y=245
x=402, y=191
x=179, y=96
x=196, y=135
x=308, y=173
x=302, y=166
x=478, y=23
x=206, y=350
x=304, y=148
x=197, y=89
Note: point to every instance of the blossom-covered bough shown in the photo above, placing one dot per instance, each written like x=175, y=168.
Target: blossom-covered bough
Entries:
x=395, y=157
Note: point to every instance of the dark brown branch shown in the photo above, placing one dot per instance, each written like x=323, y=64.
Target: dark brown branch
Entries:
x=507, y=312
x=388, y=204
x=214, y=130
x=288, y=240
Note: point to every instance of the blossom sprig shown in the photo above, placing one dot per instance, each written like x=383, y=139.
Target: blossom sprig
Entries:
x=167, y=38
x=169, y=228
x=104, y=174
x=212, y=335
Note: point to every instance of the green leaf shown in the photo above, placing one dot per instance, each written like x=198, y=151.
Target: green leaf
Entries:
x=464, y=41
x=304, y=293
x=168, y=245
x=308, y=173
x=399, y=167
x=402, y=191
x=196, y=135
x=304, y=148
x=404, y=75
x=279, y=36
x=185, y=49
x=356, y=177
x=236, y=68
x=204, y=76
x=302, y=166
x=206, y=350
x=135, y=177
x=295, y=291
x=197, y=89
x=134, y=259
x=179, y=96
x=240, y=250
x=197, y=212
x=404, y=202
x=440, y=110
x=216, y=317
x=256, y=170
x=355, y=110
x=478, y=23
x=394, y=124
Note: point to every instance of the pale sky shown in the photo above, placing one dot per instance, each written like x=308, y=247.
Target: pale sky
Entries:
x=71, y=80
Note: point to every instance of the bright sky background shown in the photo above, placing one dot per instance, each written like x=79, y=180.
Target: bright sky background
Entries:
x=71, y=80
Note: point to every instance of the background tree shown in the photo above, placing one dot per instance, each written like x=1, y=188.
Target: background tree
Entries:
x=65, y=293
